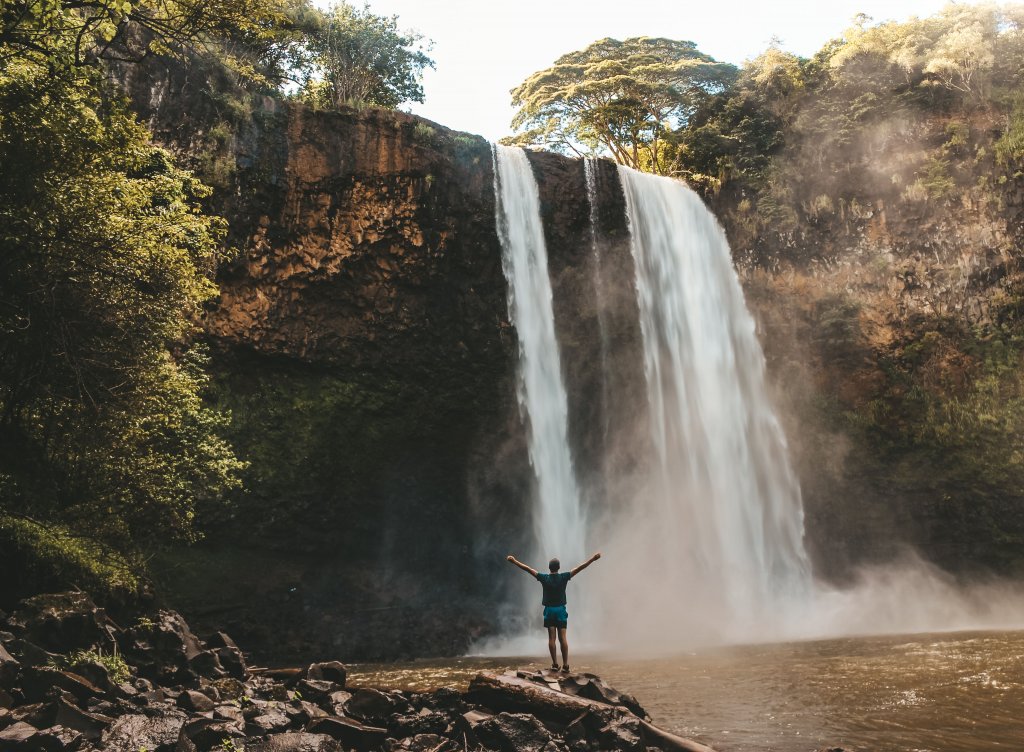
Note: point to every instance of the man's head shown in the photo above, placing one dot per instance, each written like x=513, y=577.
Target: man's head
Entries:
x=554, y=565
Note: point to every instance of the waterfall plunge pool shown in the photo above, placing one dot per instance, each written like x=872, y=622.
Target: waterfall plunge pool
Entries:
x=951, y=692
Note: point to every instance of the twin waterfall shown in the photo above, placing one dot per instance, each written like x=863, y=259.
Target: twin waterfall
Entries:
x=702, y=541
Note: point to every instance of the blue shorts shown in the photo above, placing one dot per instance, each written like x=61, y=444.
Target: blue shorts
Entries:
x=556, y=616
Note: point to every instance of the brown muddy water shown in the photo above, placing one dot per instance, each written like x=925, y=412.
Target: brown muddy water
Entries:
x=959, y=692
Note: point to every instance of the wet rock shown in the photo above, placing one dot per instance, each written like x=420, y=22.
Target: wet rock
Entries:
x=445, y=698
x=351, y=733
x=335, y=701
x=195, y=701
x=38, y=714
x=315, y=689
x=38, y=682
x=288, y=676
x=374, y=705
x=267, y=722
x=231, y=713
x=331, y=671
x=624, y=733
x=64, y=622
x=593, y=688
x=96, y=674
x=29, y=653
x=203, y=734
x=9, y=667
x=6, y=699
x=132, y=733
x=311, y=712
x=91, y=725
x=429, y=743
x=232, y=661
x=294, y=742
x=403, y=726
x=16, y=737
x=57, y=738
x=513, y=732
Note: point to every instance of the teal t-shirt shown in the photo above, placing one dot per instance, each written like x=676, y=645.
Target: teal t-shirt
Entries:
x=554, y=587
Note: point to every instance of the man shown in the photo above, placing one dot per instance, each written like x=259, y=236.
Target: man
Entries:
x=556, y=618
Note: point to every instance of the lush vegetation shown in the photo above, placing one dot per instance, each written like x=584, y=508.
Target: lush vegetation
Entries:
x=623, y=98
x=107, y=442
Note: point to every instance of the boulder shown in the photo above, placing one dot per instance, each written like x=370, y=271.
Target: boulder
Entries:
x=57, y=738
x=624, y=734
x=203, y=734
x=288, y=676
x=9, y=667
x=6, y=699
x=374, y=705
x=351, y=733
x=64, y=622
x=331, y=671
x=315, y=689
x=513, y=732
x=38, y=714
x=335, y=701
x=132, y=733
x=38, y=682
x=430, y=743
x=269, y=721
x=310, y=711
x=96, y=674
x=402, y=726
x=293, y=742
x=30, y=654
x=91, y=725
x=16, y=737
x=195, y=701
x=231, y=713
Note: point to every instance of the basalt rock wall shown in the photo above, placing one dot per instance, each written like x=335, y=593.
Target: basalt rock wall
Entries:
x=361, y=342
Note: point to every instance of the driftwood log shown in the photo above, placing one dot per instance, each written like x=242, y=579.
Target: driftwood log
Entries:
x=515, y=694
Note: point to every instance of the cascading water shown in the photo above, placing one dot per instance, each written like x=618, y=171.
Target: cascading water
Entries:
x=558, y=518
x=590, y=176
x=715, y=533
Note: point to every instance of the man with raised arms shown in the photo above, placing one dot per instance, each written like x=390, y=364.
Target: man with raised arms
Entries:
x=556, y=618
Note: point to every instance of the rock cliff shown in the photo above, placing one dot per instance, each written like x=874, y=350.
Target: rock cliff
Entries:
x=362, y=343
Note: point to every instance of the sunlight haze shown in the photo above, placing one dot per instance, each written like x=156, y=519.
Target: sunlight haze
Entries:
x=485, y=49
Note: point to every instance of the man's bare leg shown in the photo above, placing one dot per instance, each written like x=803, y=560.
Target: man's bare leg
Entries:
x=551, y=647
x=564, y=643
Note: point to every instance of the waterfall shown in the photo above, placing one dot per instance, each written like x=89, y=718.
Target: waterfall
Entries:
x=558, y=518
x=718, y=526
x=590, y=176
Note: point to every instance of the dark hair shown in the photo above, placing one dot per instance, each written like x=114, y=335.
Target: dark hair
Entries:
x=554, y=565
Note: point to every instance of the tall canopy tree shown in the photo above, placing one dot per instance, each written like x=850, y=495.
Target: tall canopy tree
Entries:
x=618, y=97
x=105, y=256
x=359, y=57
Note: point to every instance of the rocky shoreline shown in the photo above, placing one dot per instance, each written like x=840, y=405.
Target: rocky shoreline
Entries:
x=73, y=680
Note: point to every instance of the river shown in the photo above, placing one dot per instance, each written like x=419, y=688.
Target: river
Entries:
x=960, y=692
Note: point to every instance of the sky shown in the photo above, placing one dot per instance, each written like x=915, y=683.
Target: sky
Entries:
x=484, y=48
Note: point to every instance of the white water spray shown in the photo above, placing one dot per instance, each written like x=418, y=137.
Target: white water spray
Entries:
x=558, y=518
x=713, y=542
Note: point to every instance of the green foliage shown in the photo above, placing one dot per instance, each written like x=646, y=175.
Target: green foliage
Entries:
x=620, y=98
x=106, y=258
x=116, y=666
x=37, y=558
x=356, y=57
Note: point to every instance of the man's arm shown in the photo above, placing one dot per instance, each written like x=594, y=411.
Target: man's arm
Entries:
x=584, y=565
x=524, y=567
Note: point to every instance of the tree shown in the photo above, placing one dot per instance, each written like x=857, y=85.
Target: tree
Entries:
x=619, y=98
x=104, y=252
x=362, y=58
x=105, y=257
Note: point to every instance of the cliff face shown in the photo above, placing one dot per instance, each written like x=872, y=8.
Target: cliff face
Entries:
x=362, y=343
x=888, y=310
